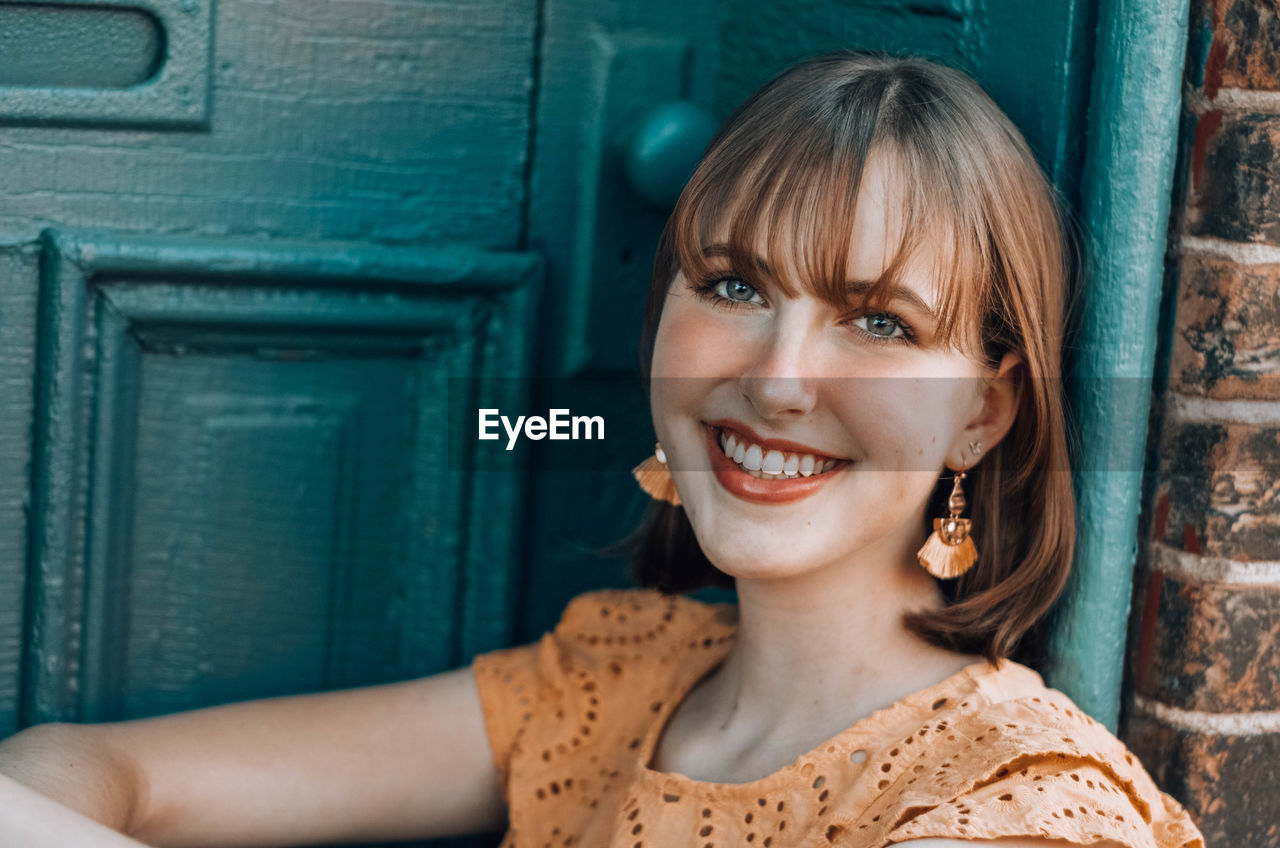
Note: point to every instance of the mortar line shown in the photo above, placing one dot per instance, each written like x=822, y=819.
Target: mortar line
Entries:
x=1217, y=724
x=1202, y=568
x=1232, y=100
x=1243, y=253
x=1192, y=408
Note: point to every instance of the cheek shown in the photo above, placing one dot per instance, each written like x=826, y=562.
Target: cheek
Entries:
x=689, y=342
x=906, y=422
x=684, y=351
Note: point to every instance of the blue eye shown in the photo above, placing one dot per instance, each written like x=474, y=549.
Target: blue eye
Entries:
x=883, y=324
x=738, y=292
x=735, y=287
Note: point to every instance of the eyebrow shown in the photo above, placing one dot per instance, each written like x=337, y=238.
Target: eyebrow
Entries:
x=856, y=288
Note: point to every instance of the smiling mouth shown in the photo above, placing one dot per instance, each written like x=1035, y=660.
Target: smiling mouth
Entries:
x=773, y=464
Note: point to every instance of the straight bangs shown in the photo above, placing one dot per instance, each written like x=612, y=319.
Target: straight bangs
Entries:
x=796, y=197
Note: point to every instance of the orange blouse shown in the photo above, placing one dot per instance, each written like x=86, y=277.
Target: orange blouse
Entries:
x=574, y=720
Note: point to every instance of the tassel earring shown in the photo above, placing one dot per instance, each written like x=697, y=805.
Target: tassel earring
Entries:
x=949, y=550
x=655, y=478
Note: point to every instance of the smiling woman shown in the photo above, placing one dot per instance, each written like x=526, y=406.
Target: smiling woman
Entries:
x=854, y=330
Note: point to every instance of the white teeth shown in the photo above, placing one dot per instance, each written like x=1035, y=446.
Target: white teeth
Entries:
x=773, y=465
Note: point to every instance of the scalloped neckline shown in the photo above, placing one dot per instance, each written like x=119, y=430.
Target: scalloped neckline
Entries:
x=821, y=753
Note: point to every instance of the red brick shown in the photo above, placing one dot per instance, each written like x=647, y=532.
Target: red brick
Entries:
x=1227, y=343
x=1235, y=194
x=1227, y=783
x=1220, y=489
x=1215, y=648
x=1246, y=44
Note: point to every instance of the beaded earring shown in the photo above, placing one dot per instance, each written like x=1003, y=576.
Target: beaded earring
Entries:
x=949, y=551
x=655, y=478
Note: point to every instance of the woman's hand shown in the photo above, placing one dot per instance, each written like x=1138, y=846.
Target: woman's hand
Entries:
x=31, y=820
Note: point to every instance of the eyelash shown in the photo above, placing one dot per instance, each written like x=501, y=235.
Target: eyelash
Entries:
x=706, y=290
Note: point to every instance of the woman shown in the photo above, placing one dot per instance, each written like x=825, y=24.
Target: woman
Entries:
x=862, y=290
x=854, y=328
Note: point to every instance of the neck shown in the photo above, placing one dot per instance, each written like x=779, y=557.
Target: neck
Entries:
x=816, y=651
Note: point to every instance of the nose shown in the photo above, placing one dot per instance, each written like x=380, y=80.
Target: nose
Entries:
x=780, y=380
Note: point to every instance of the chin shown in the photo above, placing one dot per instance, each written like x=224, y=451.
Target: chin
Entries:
x=748, y=557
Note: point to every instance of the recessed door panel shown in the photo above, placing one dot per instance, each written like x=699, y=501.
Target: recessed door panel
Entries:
x=244, y=488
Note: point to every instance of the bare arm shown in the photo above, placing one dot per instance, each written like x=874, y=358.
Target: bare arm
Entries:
x=66, y=763
x=31, y=820
x=397, y=761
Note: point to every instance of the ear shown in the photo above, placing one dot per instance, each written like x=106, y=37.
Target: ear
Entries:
x=997, y=408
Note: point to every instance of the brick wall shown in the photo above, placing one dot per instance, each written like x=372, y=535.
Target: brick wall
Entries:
x=1204, y=707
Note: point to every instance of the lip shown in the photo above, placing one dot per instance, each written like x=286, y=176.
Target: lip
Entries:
x=741, y=484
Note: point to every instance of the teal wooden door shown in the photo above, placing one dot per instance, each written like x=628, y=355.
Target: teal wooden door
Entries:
x=255, y=258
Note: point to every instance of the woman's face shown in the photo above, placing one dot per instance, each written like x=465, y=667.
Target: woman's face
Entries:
x=877, y=391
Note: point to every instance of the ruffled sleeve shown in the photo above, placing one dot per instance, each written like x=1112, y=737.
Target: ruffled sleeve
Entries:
x=558, y=696
x=513, y=684
x=1033, y=767
x=524, y=685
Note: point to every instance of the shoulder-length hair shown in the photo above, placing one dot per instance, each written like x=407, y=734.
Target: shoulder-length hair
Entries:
x=786, y=166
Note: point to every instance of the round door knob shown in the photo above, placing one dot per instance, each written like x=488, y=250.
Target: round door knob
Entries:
x=665, y=149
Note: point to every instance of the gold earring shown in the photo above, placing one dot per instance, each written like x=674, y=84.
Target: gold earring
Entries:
x=949, y=551
x=655, y=478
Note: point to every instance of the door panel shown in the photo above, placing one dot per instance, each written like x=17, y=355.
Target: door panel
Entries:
x=241, y=487
x=361, y=120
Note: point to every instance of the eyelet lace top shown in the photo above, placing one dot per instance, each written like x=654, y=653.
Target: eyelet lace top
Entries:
x=574, y=720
